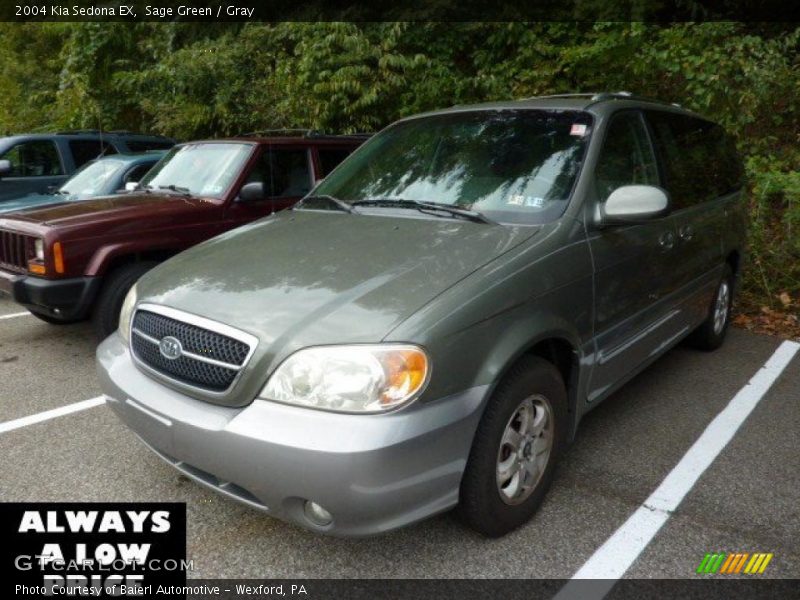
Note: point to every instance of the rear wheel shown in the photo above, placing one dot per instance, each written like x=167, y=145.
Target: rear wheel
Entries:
x=117, y=285
x=711, y=334
x=518, y=442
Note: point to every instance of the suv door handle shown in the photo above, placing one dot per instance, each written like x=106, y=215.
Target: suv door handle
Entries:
x=667, y=240
x=686, y=232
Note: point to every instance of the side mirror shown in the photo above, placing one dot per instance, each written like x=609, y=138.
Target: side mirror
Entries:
x=5, y=167
x=634, y=203
x=131, y=186
x=252, y=192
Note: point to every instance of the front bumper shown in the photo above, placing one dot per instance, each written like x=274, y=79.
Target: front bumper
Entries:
x=68, y=299
x=373, y=473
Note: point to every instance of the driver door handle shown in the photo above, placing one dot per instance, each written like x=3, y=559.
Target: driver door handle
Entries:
x=667, y=240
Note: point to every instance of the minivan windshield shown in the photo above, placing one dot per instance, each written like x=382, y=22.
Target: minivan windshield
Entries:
x=92, y=180
x=205, y=169
x=512, y=166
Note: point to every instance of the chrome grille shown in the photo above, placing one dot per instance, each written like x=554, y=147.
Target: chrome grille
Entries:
x=14, y=248
x=209, y=360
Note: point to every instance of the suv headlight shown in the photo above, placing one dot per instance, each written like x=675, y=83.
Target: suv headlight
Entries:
x=126, y=313
x=38, y=249
x=354, y=379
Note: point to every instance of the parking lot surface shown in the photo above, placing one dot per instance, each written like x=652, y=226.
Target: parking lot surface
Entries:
x=746, y=501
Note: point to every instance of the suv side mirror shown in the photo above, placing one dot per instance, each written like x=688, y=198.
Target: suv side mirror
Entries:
x=5, y=167
x=252, y=192
x=634, y=203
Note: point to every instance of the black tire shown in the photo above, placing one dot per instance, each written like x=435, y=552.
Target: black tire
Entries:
x=105, y=317
x=709, y=336
x=482, y=505
x=53, y=320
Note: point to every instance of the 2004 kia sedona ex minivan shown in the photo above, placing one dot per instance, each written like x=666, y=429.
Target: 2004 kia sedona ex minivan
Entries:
x=426, y=328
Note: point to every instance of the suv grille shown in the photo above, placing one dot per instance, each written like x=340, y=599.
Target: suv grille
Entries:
x=208, y=360
x=14, y=248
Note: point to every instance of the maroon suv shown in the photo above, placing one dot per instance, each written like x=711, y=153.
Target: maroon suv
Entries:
x=71, y=261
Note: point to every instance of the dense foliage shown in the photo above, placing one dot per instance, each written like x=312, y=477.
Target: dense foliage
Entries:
x=190, y=80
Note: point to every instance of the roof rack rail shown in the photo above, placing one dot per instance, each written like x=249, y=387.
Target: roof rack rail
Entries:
x=109, y=132
x=308, y=133
x=622, y=95
x=77, y=131
x=278, y=131
x=574, y=95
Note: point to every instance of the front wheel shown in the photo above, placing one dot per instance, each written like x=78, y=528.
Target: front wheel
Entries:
x=518, y=442
x=106, y=312
x=53, y=320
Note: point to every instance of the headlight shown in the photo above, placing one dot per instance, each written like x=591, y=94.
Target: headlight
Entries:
x=360, y=379
x=38, y=249
x=126, y=313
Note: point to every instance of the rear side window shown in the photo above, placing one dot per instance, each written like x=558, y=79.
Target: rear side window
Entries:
x=627, y=157
x=285, y=173
x=36, y=158
x=329, y=158
x=85, y=150
x=699, y=160
x=145, y=145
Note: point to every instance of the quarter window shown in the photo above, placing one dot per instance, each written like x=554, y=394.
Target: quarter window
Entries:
x=37, y=158
x=627, y=157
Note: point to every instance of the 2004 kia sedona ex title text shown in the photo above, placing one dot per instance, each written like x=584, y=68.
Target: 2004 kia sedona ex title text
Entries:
x=426, y=328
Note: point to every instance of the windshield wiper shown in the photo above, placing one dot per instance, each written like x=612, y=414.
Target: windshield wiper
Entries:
x=340, y=204
x=176, y=188
x=427, y=208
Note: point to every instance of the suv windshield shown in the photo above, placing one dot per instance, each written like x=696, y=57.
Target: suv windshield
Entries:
x=205, y=169
x=513, y=166
x=92, y=180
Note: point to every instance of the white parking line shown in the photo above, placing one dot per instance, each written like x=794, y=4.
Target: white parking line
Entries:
x=617, y=554
x=15, y=315
x=51, y=414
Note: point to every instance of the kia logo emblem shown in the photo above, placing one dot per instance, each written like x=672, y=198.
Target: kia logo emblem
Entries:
x=170, y=348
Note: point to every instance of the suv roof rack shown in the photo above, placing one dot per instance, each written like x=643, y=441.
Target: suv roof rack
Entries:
x=108, y=132
x=77, y=131
x=307, y=133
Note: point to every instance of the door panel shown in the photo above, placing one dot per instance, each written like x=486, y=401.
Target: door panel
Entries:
x=633, y=264
x=35, y=166
x=700, y=169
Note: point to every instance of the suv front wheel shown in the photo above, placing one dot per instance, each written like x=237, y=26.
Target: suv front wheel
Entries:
x=518, y=442
x=105, y=318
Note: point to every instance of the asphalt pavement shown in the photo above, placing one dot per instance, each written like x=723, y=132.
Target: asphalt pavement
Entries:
x=747, y=500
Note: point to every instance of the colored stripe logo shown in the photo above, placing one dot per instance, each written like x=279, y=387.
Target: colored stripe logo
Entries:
x=732, y=563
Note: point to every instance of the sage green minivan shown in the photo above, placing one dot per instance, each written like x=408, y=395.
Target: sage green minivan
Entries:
x=427, y=327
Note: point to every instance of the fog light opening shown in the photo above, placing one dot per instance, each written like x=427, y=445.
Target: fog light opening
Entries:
x=316, y=514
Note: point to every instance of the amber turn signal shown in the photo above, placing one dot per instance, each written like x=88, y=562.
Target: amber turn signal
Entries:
x=58, y=258
x=36, y=268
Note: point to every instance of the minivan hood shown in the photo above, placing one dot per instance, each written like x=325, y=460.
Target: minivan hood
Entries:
x=108, y=208
x=305, y=278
